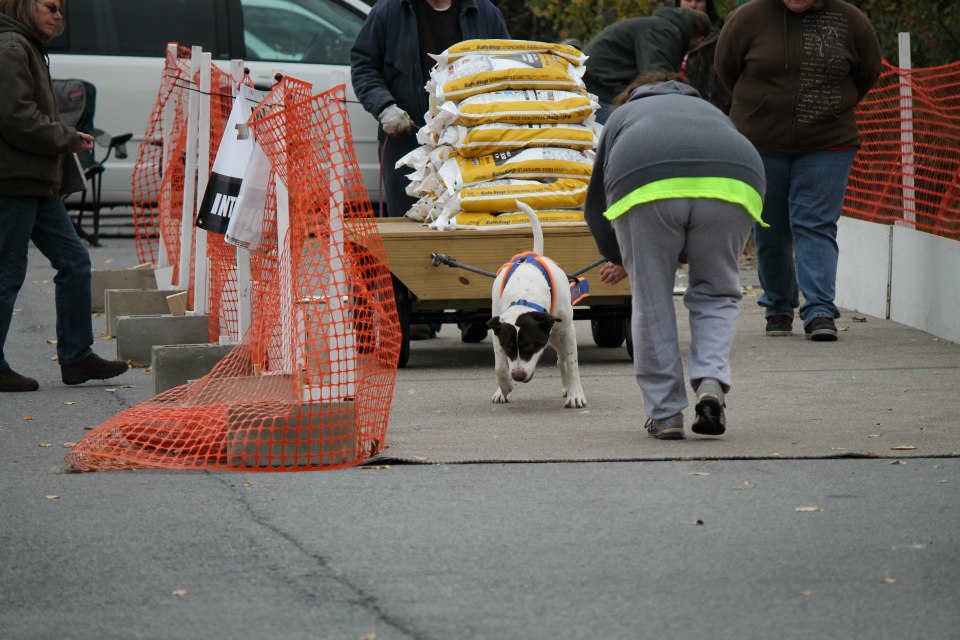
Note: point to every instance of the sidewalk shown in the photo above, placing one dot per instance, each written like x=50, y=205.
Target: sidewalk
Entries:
x=882, y=390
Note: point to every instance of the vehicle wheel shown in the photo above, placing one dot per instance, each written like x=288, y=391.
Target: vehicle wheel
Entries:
x=608, y=333
x=402, y=297
x=473, y=331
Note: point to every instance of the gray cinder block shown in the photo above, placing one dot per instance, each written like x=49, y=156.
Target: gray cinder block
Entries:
x=137, y=335
x=134, y=302
x=174, y=365
x=103, y=279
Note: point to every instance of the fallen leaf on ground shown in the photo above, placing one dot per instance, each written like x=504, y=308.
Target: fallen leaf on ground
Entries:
x=888, y=580
x=179, y=592
x=52, y=341
x=805, y=594
x=700, y=473
x=69, y=445
x=44, y=445
x=903, y=447
x=28, y=417
x=698, y=522
x=53, y=497
x=898, y=462
x=248, y=484
x=69, y=402
x=809, y=509
x=858, y=319
x=111, y=390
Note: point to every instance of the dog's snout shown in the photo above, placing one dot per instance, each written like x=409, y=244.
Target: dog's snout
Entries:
x=519, y=375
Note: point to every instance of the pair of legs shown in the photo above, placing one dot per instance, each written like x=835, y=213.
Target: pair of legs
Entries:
x=651, y=237
x=45, y=221
x=798, y=253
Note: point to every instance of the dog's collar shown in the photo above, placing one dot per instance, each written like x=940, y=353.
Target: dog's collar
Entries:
x=526, y=303
x=535, y=259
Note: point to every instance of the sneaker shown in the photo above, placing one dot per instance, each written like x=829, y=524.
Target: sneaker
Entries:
x=473, y=331
x=12, y=381
x=779, y=325
x=821, y=329
x=93, y=367
x=667, y=428
x=710, y=403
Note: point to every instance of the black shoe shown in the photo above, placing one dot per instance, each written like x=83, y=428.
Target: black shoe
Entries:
x=821, y=329
x=473, y=331
x=12, y=381
x=779, y=325
x=93, y=367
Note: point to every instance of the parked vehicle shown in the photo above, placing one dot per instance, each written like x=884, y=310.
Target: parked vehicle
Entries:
x=119, y=46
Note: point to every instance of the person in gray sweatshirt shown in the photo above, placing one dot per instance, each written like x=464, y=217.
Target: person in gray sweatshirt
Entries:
x=673, y=177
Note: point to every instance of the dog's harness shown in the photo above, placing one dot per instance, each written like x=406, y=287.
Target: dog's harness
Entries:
x=535, y=259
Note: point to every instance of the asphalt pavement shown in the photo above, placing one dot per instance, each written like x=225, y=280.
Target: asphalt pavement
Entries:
x=760, y=547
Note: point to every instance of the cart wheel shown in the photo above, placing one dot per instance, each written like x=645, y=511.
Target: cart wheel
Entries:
x=608, y=333
x=402, y=297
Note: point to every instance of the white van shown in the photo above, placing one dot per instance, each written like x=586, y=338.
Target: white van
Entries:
x=119, y=46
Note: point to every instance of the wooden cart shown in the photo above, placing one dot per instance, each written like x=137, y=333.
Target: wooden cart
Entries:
x=432, y=293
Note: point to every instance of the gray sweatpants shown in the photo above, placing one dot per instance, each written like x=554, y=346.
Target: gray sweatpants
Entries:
x=651, y=237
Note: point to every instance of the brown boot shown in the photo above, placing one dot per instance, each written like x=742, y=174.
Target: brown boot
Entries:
x=10, y=380
x=93, y=367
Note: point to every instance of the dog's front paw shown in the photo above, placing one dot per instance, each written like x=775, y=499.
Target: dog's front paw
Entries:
x=575, y=400
x=500, y=398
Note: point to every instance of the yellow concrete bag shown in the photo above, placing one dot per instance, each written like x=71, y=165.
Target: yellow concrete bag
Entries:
x=538, y=164
x=484, y=139
x=475, y=74
x=506, y=48
x=515, y=107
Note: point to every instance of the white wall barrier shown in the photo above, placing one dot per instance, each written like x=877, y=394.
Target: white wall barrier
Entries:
x=900, y=274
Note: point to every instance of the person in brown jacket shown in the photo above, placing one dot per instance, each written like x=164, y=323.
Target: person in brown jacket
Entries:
x=32, y=146
x=797, y=69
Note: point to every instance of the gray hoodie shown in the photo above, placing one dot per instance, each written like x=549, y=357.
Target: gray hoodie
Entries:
x=663, y=131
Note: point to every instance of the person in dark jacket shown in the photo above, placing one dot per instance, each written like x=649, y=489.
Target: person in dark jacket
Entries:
x=797, y=69
x=698, y=64
x=32, y=147
x=390, y=65
x=673, y=176
x=628, y=48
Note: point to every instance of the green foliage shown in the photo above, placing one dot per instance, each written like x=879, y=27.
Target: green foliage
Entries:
x=934, y=25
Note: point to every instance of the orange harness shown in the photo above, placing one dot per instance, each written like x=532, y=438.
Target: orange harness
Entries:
x=529, y=257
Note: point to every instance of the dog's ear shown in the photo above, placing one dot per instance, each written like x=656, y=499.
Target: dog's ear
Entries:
x=494, y=323
x=544, y=319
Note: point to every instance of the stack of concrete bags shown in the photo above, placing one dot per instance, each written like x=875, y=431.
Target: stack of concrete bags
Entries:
x=509, y=120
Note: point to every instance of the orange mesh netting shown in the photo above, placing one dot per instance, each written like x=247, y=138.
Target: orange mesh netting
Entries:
x=158, y=173
x=897, y=179
x=310, y=384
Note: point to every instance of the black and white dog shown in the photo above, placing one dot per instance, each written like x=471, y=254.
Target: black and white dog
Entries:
x=532, y=308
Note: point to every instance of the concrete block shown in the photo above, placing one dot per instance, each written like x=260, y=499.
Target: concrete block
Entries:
x=133, y=302
x=137, y=335
x=174, y=365
x=315, y=435
x=103, y=279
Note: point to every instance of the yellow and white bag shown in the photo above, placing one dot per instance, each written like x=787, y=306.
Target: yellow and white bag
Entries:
x=515, y=107
x=484, y=139
x=535, y=164
x=476, y=74
x=506, y=48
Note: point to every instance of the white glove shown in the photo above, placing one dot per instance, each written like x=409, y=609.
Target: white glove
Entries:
x=395, y=120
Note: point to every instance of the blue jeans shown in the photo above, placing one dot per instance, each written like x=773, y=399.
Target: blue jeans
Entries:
x=798, y=252
x=46, y=222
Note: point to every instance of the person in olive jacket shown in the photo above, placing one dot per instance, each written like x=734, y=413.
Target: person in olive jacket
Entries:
x=32, y=146
x=797, y=69
x=628, y=48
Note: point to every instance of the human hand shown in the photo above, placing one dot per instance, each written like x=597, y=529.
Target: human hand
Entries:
x=84, y=142
x=395, y=120
x=612, y=273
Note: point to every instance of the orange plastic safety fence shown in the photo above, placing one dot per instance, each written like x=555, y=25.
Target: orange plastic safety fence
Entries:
x=158, y=172
x=310, y=384
x=908, y=166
